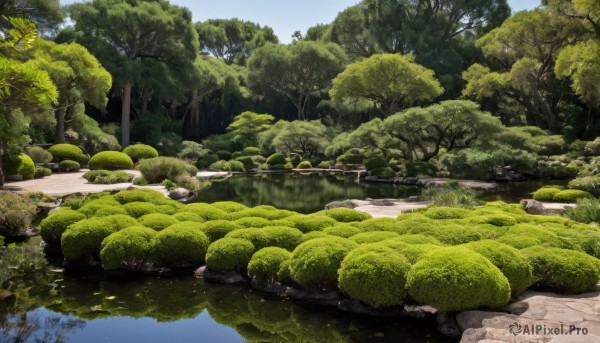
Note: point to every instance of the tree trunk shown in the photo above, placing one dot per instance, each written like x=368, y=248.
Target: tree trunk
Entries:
x=1, y=166
x=60, y=125
x=126, y=114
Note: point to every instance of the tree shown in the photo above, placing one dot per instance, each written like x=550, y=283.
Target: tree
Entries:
x=296, y=71
x=525, y=48
x=247, y=126
x=373, y=135
x=77, y=74
x=47, y=14
x=26, y=92
x=306, y=138
x=233, y=40
x=131, y=35
x=587, y=11
x=392, y=81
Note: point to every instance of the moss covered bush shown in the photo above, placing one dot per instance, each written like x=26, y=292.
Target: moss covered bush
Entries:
x=110, y=160
x=41, y=172
x=217, y=229
x=276, y=161
x=265, y=263
x=509, y=260
x=545, y=194
x=229, y=254
x=451, y=234
x=69, y=166
x=314, y=264
x=27, y=167
x=53, y=226
x=157, y=221
x=571, y=195
x=342, y=230
x=62, y=152
x=126, y=249
x=446, y=213
x=375, y=162
x=457, y=279
x=421, y=169
x=139, y=152
x=347, y=215
x=179, y=246
x=82, y=240
x=39, y=155
x=206, y=211
x=372, y=237
x=272, y=236
x=157, y=169
x=377, y=279
x=587, y=183
x=247, y=162
x=563, y=271
x=418, y=239
x=381, y=224
x=17, y=212
x=253, y=222
x=205, y=161
x=107, y=177
x=305, y=165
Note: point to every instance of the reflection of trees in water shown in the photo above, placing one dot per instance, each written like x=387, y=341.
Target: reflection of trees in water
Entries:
x=297, y=192
x=33, y=327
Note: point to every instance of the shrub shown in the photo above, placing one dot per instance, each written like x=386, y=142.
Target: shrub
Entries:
x=273, y=236
x=110, y=160
x=546, y=194
x=251, y=151
x=236, y=166
x=494, y=219
x=217, y=229
x=313, y=235
x=451, y=234
x=157, y=221
x=314, y=264
x=457, y=279
x=383, y=173
x=179, y=246
x=126, y=249
x=375, y=162
x=418, y=239
x=571, y=195
x=351, y=157
x=68, y=166
x=372, y=237
x=451, y=194
x=39, y=155
x=509, y=260
x=63, y=152
x=324, y=165
x=563, y=271
x=374, y=278
x=109, y=211
x=342, y=230
x=27, y=169
x=155, y=170
x=137, y=209
x=82, y=239
x=311, y=223
x=229, y=206
x=17, y=212
x=53, y=226
x=253, y=222
x=381, y=224
x=347, y=215
x=41, y=172
x=446, y=213
x=221, y=165
x=247, y=162
x=206, y=211
x=188, y=217
x=295, y=159
x=589, y=184
x=138, y=195
x=92, y=175
x=266, y=262
x=412, y=252
x=421, y=168
x=305, y=165
x=140, y=151
x=229, y=254
x=276, y=160
x=205, y=161
x=224, y=155
x=586, y=211
x=140, y=181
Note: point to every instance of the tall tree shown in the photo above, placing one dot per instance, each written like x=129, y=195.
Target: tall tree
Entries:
x=77, y=74
x=296, y=71
x=233, y=40
x=127, y=35
x=306, y=138
x=248, y=125
x=47, y=14
x=392, y=81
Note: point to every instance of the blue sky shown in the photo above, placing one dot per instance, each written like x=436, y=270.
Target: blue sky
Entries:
x=285, y=16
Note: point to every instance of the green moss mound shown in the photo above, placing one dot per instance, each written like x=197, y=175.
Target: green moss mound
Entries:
x=546, y=194
x=372, y=237
x=229, y=254
x=27, y=168
x=412, y=252
x=110, y=160
x=571, y=195
x=157, y=221
x=305, y=165
x=315, y=222
x=509, y=260
x=62, y=152
x=563, y=271
x=377, y=279
x=347, y=215
x=69, y=166
x=179, y=246
x=276, y=160
x=126, y=249
x=381, y=224
x=53, y=226
x=140, y=151
x=188, y=216
x=315, y=263
x=253, y=222
x=82, y=239
x=206, y=211
x=274, y=236
x=446, y=213
x=217, y=229
x=158, y=169
x=266, y=262
x=342, y=230
x=418, y=239
x=450, y=234
x=457, y=279
x=139, y=195
x=229, y=206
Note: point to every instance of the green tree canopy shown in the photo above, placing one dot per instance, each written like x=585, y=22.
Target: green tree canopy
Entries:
x=296, y=71
x=392, y=81
x=47, y=14
x=248, y=125
x=306, y=138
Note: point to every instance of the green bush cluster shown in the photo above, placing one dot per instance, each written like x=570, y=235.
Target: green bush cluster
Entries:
x=62, y=152
x=305, y=165
x=126, y=249
x=347, y=215
x=421, y=169
x=587, y=183
x=179, y=246
x=41, y=172
x=266, y=263
x=53, y=226
x=69, y=166
x=157, y=169
x=102, y=176
x=17, y=212
x=229, y=254
x=555, y=194
x=110, y=160
x=139, y=152
x=276, y=161
x=39, y=155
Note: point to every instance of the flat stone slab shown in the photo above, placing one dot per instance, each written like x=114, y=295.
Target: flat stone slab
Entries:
x=549, y=318
x=212, y=174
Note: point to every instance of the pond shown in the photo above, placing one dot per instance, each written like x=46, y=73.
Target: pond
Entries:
x=55, y=306
x=308, y=193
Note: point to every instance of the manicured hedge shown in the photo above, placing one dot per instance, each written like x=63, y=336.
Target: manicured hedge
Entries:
x=155, y=170
x=347, y=215
x=110, y=160
x=304, y=165
x=62, y=152
x=53, y=226
x=265, y=263
x=138, y=152
x=546, y=194
x=276, y=160
x=127, y=249
x=571, y=195
x=229, y=254
x=69, y=166
x=179, y=246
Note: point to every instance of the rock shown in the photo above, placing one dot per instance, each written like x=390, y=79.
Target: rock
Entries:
x=179, y=193
x=447, y=325
x=415, y=198
x=269, y=287
x=533, y=207
x=383, y=202
x=310, y=295
x=344, y=203
x=223, y=277
x=473, y=319
x=355, y=306
x=420, y=312
x=517, y=308
x=473, y=336
x=410, y=181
